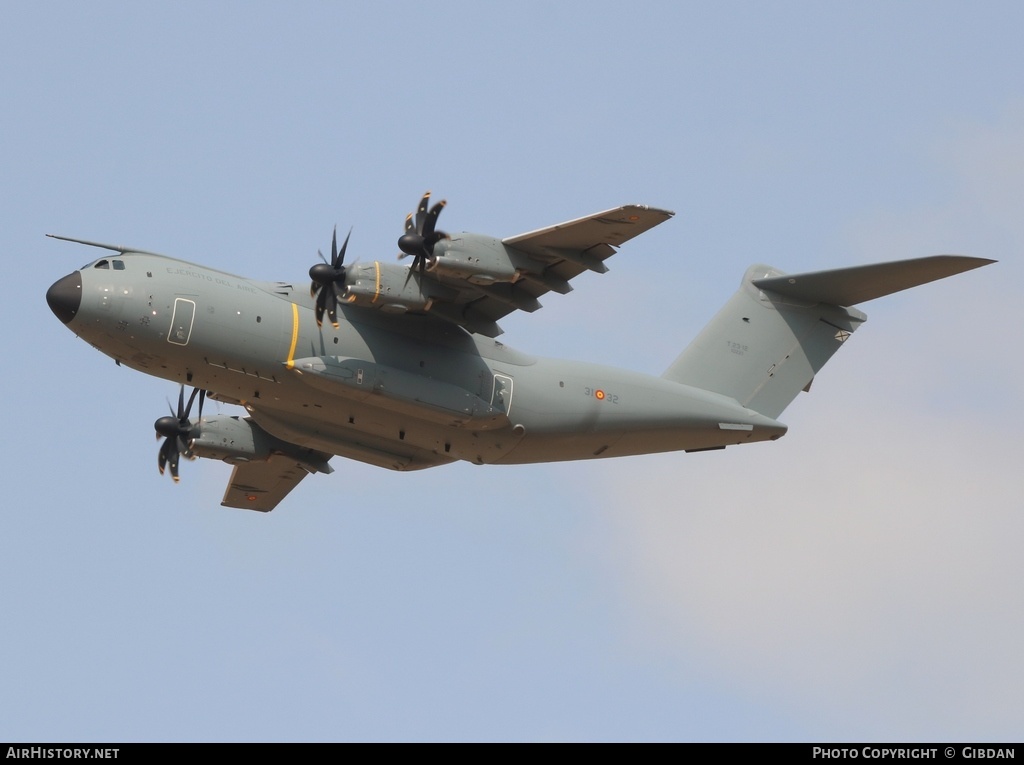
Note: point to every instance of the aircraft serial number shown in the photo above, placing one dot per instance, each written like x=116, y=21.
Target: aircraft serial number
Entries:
x=602, y=395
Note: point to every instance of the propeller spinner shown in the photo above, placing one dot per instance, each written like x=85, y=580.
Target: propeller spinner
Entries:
x=176, y=429
x=328, y=280
x=420, y=236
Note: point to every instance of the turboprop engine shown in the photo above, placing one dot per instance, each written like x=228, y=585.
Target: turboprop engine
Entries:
x=231, y=439
x=391, y=288
x=480, y=259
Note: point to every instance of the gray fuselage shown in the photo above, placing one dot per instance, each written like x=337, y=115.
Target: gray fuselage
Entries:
x=400, y=391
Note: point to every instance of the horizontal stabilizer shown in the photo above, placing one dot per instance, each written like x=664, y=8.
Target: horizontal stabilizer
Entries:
x=858, y=284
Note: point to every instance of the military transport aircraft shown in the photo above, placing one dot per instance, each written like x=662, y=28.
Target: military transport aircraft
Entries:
x=405, y=372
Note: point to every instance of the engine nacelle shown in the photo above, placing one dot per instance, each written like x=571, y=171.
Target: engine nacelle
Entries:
x=480, y=259
x=232, y=439
x=390, y=287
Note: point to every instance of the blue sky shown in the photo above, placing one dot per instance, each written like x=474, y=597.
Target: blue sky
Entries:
x=858, y=579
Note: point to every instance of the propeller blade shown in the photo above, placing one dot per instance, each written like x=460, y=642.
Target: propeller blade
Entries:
x=188, y=409
x=421, y=236
x=431, y=221
x=320, y=308
x=329, y=274
x=177, y=431
x=314, y=285
x=344, y=246
x=421, y=212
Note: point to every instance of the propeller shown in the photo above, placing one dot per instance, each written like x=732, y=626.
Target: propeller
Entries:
x=327, y=277
x=176, y=429
x=420, y=237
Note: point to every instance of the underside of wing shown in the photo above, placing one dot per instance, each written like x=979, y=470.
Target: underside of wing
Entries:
x=261, y=485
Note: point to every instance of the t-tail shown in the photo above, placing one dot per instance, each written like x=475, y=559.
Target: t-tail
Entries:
x=771, y=338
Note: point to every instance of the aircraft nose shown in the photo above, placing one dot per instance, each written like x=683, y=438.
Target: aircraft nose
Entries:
x=65, y=296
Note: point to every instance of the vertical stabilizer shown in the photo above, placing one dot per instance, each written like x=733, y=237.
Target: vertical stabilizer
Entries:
x=778, y=330
x=762, y=348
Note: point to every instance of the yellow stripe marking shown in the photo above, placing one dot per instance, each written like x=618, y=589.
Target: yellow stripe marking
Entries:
x=376, y=293
x=290, y=363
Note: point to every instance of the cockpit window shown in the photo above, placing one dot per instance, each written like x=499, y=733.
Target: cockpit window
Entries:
x=119, y=265
x=102, y=264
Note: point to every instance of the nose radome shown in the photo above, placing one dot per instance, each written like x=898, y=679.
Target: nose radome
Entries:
x=65, y=296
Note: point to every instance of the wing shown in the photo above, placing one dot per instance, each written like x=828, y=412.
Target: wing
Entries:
x=261, y=485
x=473, y=280
x=534, y=263
x=585, y=243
